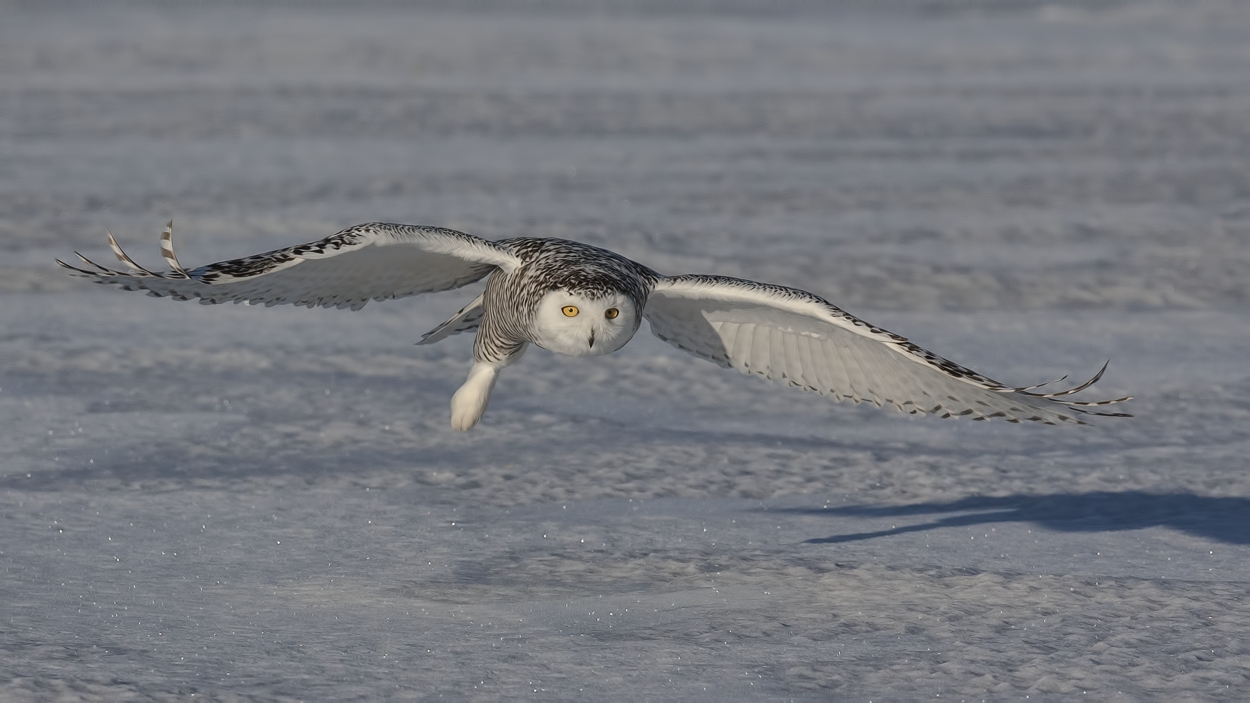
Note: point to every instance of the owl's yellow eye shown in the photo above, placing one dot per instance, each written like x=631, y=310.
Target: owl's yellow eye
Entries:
x=569, y=310
x=611, y=313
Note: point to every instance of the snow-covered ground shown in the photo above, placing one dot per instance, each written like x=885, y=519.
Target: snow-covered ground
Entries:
x=270, y=504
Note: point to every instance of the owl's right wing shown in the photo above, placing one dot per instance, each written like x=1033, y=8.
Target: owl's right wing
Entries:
x=374, y=261
x=801, y=339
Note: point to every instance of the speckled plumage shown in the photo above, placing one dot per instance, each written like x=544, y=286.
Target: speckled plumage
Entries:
x=511, y=298
x=779, y=333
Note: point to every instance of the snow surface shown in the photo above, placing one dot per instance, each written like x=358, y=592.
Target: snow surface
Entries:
x=270, y=504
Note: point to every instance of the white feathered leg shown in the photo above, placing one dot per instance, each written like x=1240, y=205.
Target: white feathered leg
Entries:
x=470, y=401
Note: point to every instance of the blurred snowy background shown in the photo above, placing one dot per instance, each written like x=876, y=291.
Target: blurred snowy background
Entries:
x=270, y=503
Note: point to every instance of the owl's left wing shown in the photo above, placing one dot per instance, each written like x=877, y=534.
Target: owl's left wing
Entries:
x=793, y=336
x=374, y=261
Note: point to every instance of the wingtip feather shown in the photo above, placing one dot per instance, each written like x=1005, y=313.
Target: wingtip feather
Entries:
x=75, y=270
x=123, y=257
x=167, y=250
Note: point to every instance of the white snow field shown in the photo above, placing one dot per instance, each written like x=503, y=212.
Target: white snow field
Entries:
x=241, y=503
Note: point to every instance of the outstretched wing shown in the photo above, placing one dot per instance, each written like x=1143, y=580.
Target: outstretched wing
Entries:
x=793, y=336
x=373, y=261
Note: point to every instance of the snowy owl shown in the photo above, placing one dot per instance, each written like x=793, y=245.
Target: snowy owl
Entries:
x=581, y=300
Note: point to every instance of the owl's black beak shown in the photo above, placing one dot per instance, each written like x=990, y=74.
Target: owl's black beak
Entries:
x=592, y=340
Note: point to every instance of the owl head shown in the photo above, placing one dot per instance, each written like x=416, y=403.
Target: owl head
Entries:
x=581, y=324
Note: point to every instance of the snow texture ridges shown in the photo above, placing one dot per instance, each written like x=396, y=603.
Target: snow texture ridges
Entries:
x=239, y=502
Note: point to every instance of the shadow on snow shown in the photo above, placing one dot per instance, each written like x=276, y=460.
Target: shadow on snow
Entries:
x=1223, y=519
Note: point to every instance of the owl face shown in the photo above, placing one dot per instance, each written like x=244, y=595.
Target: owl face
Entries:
x=577, y=325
